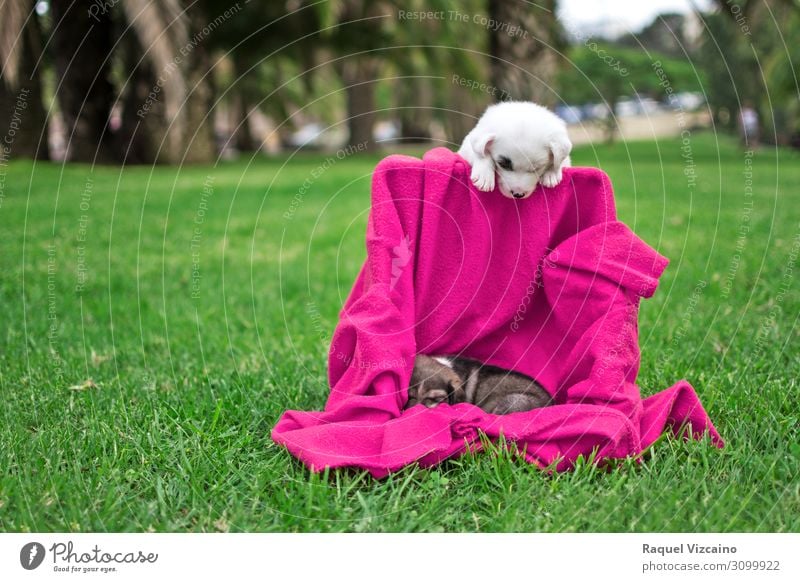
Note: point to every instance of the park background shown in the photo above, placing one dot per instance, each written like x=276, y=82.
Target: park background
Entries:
x=184, y=188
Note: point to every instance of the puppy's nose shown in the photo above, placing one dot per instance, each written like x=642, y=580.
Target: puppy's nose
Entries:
x=517, y=194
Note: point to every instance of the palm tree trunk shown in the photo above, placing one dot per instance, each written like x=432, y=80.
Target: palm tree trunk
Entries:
x=85, y=94
x=141, y=132
x=198, y=138
x=358, y=75
x=463, y=110
x=22, y=110
x=242, y=105
x=523, y=66
x=415, y=122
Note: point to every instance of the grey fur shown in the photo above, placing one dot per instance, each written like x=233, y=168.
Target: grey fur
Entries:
x=495, y=390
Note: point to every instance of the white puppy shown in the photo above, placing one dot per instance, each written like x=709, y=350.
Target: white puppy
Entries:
x=523, y=142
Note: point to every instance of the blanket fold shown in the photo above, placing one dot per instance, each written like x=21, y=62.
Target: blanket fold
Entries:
x=549, y=287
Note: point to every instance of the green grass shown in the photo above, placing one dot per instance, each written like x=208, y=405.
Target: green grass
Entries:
x=190, y=372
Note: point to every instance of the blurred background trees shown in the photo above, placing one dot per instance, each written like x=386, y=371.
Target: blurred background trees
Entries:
x=182, y=81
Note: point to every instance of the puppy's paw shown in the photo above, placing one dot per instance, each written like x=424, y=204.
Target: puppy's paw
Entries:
x=552, y=178
x=483, y=176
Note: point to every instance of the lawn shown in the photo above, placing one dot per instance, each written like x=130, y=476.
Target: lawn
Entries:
x=156, y=323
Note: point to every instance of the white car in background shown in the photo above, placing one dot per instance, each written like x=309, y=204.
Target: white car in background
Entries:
x=686, y=101
x=569, y=113
x=638, y=105
x=316, y=135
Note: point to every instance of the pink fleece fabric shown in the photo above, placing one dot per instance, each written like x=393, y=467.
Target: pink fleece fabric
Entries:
x=548, y=286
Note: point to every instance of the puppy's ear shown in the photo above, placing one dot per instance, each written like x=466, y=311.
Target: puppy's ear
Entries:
x=481, y=144
x=559, y=152
x=456, y=391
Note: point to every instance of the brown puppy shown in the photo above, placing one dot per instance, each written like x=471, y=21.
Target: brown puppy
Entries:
x=453, y=380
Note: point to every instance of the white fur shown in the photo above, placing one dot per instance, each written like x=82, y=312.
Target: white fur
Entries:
x=531, y=137
x=445, y=361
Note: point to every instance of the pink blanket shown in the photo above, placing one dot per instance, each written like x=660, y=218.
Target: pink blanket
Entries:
x=549, y=286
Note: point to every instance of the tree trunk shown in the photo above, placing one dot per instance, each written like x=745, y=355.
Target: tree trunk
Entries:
x=22, y=110
x=244, y=134
x=84, y=91
x=142, y=126
x=242, y=105
x=358, y=75
x=524, y=64
x=464, y=107
x=198, y=128
x=415, y=122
